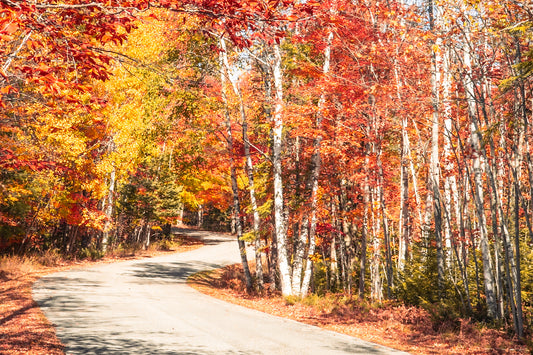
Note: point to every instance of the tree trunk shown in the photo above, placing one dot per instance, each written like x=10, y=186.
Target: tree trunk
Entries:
x=315, y=173
x=277, y=140
x=200, y=211
x=249, y=170
x=386, y=238
x=148, y=234
x=364, y=231
x=403, y=225
x=233, y=172
x=492, y=308
x=434, y=171
x=376, y=290
x=108, y=211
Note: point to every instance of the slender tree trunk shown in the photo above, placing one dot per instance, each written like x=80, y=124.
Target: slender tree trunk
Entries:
x=376, y=290
x=492, y=308
x=434, y=171
x=73, y=235
x=249, y=170
x=299, y=253
x=364, y=230
x=234, y=186
x=386, y=237
x=277, y=140
x=108, y=210
x=403, y=227
x=272, y=257
x=148, y=234
x=519, y=317
x=315, y=173
x=450, y=182
x=313, y=220
x=523, y=141
x=200, y=221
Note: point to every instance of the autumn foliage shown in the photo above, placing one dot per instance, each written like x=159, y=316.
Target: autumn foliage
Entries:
x=376, y=149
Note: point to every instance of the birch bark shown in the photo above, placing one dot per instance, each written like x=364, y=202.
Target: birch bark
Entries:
x=233, y=172
x=492, y=308
x=315, y=172
x=277, y=140
x=249, y=168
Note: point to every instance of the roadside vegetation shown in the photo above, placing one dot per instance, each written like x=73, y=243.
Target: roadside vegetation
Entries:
x=415, y=329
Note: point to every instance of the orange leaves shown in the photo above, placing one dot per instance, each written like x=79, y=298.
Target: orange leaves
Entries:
x=7, y=34
x=6, y=90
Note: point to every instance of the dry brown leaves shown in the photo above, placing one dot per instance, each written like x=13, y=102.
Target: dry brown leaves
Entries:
x=23, y=327
x=400, y=327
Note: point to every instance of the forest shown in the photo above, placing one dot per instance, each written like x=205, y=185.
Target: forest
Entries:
x=380, y=149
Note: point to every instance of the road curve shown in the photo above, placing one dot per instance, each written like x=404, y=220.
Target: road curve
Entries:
x=145, y=307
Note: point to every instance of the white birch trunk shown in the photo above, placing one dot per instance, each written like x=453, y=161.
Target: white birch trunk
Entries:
x=492, y=309
x=249, y=168
x=277, y=140
x=364, y=236
x=234, y=186
x=403, y=225
x=450, y=183
x=109, y=210
x=376, y=288
x=315, y=173
x=434, y=170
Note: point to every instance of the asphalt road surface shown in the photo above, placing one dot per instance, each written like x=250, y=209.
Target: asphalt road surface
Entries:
x=145, y=307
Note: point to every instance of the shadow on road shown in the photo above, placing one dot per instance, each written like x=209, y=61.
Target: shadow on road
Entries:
x=121, y=343
x=350, y=348
x=208, y=237
x=175, y=272
x=139, y=307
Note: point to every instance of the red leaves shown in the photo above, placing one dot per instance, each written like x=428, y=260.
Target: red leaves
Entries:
x=10, y=161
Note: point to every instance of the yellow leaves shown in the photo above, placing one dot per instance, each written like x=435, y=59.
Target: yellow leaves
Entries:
x=14, y=194
x=189, y=198
x=206, y=185
x=141, y=43
x=93, y=219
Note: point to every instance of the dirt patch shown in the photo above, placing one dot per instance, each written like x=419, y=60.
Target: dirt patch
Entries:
x=23, y=327
x=400, y=327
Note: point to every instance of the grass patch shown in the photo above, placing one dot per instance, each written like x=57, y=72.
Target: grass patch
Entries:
x=12, y=267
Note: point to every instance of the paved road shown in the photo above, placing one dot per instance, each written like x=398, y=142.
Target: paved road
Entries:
x=145, y=307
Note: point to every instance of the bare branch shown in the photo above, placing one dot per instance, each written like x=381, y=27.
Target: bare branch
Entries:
x=259, y=151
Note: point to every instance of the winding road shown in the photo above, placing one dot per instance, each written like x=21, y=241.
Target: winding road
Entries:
x=145, y=307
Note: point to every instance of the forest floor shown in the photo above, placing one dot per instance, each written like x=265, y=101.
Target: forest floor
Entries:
x=404, y=328
x=23, y=327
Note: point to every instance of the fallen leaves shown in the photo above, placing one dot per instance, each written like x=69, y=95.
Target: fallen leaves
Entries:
x=23, y=327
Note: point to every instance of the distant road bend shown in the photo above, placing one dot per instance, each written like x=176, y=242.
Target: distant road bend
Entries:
x=145, y=307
